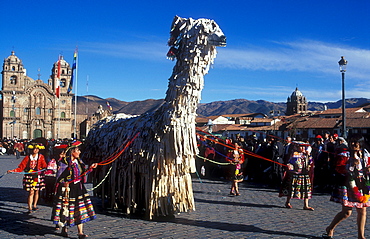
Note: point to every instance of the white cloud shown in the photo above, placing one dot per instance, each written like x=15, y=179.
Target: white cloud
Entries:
x=304, y=56
x=299, y=61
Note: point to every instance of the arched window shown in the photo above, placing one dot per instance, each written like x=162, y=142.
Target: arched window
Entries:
x=13, y=68
x=63, y=83
x=38, y=111
x=13, y=80
x=12, y=113
x=63, y=115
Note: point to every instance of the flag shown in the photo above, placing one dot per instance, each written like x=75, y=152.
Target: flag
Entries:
x=70, y=87
x=57, y=87
x=108, y=105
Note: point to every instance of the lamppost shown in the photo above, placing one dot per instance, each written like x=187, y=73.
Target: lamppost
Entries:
x=342, y=68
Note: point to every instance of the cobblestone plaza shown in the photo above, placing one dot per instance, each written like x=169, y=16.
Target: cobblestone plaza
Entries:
x=257, y=213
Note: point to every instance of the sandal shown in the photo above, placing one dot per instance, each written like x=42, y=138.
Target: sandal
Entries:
x=35, y=208
x=308, y=208
x=29, y=212
x=82, y=236
x=325, y=235
x=287, y=205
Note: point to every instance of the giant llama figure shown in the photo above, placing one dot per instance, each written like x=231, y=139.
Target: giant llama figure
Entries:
x=153, y=175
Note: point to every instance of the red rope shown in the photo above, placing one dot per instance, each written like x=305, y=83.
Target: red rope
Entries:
x=109, y=160
x=112, y=158
x=231, y=147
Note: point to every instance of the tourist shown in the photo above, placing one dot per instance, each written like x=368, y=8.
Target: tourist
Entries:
x=320, y=158
x=72, y=204
x=288, y=149
x=18, y=149
x=297, y=180
x=33, y=180
x=277, y=157
x=352, y=190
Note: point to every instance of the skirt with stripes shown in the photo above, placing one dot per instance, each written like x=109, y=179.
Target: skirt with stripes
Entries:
x=72, y=206
x=296, y=186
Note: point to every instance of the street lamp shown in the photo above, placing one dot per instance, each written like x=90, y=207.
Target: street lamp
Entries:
x=342, y=68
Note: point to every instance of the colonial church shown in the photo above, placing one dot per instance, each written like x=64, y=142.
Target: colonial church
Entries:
x=30, y=108
x=296, y=103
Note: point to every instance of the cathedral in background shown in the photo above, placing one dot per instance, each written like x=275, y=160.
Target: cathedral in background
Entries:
x=30, y=108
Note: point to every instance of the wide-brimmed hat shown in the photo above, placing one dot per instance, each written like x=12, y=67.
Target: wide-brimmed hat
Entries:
x=68, y=146
x=36, y=146
x=301, y=143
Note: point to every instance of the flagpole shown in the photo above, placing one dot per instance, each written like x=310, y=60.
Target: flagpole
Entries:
x=75, y=123
x=57, y=94
x=58, y=118
x=87, y=94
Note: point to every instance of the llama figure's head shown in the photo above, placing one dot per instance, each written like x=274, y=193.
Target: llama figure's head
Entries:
x=194, y=41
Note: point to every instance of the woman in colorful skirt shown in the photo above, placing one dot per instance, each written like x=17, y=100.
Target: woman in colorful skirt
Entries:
x=236, y=158
x=297, y=180
x=72, y=202
x=33, y=181
x=352, y=190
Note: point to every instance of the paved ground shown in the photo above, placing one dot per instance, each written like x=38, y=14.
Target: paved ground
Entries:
x=257, y=213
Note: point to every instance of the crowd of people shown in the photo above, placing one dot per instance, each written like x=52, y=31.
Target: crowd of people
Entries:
x=296, y=168
x=54, y=171
x=265, y=161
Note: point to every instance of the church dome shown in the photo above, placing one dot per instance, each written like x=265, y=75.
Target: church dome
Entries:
x=12, y=58
x=62, y=62
x=297, y=93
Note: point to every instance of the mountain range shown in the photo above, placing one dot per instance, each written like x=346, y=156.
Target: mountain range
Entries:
x=87, y=105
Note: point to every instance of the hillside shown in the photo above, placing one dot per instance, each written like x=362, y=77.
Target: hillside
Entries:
x=89, y=104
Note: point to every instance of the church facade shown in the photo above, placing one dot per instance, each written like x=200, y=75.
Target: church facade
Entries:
x=30, y=108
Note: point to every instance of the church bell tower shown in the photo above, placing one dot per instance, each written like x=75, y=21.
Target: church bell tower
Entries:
x=296, y=103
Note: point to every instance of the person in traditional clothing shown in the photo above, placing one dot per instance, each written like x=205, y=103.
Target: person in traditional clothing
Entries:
x=236, y=158
x=352, y=190
x=50, y=175
x=297, y=179
x=33, y=180
x=72, y=204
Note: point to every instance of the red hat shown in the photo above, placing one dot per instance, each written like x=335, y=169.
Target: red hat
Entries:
x=318, y=137
x=335, y=135
x=61, y=146
x=68, y=146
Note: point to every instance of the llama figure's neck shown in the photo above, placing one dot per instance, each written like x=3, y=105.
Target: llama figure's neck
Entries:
x=186, y=83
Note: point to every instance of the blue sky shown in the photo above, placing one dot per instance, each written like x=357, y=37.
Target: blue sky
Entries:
x=272, y=46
